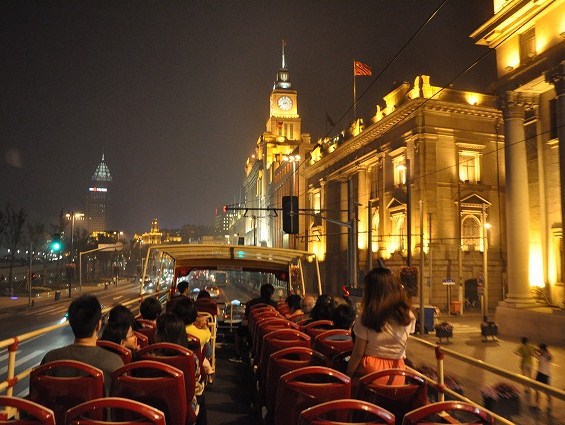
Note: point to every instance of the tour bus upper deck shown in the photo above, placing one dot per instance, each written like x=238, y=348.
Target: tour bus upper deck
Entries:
x=290, y=271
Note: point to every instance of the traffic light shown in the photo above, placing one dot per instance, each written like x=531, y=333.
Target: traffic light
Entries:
x=56, y=244
x=290, y=214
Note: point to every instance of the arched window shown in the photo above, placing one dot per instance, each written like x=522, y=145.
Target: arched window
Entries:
x=471, y=233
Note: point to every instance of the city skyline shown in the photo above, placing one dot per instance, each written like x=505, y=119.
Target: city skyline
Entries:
x=176, y=94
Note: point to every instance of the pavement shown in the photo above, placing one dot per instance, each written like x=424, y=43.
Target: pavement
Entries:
x=467, y=340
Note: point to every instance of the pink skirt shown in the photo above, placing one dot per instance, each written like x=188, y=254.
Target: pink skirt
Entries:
x=371, y=364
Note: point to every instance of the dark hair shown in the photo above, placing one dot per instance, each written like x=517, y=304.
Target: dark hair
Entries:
x=203, y=294
x=115, y=332
x=182, y=286
x=267, y=290
x=343, y=316
x=84, y=315
x=293, y=302
x=170, y=328
x=121, y=315
x=384, y=300
x=150, y=308
x=323, y=309
x=524, y=340
x=186, y=310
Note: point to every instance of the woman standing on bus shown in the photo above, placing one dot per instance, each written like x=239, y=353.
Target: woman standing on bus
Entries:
x=381, y=331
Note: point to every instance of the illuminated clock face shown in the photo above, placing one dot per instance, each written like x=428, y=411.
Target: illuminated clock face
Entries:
x=285, y=103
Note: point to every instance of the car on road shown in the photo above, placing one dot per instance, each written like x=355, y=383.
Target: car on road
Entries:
x=232, y=313
x=213, y=290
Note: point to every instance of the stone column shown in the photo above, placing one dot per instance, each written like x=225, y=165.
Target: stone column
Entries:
x=556, y=76
x=363, y=196
x=517, y=202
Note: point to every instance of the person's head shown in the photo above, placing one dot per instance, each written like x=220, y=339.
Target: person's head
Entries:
x=343, y=316
x=384, y=299
x=485, y=318
x=543, y=347
x=323, y=309
x=120, y=333
x=186, y=310
x=170, y=328
x=150, y=308
x=120, y=314
x=308, y=303
x=203, y=294
x=182, y=287
x=524, y=340
x=293, y=302
x=84, y=316
x=267, y=290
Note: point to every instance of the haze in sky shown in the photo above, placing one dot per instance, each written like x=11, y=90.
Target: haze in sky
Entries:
x=176, y=93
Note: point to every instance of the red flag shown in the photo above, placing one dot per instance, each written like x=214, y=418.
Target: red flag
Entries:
x=361, y=69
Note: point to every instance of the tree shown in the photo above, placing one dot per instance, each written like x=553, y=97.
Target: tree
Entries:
x=13, y=224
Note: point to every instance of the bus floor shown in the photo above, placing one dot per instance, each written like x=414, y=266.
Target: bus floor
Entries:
x=229, y=400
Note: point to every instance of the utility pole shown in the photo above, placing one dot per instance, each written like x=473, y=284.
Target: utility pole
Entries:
x=408, y=215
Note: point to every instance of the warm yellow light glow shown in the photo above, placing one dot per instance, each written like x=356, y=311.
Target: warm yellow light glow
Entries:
x=488, y=226
x=536, y=266
x=472, y=98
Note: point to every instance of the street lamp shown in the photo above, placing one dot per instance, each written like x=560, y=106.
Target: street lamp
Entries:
x=486, y=226
x=72, y=216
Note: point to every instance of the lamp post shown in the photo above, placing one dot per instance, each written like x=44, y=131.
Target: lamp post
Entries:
x=72, y=216
x=486, y=226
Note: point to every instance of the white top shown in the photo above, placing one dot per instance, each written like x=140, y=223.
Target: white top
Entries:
x=544, y=362
x=390, y=343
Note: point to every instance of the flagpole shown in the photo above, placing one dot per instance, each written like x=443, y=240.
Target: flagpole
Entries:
x=354, y=95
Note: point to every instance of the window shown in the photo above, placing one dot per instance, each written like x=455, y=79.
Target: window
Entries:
x=399, y=164
x=527, y=45
x=397, y=241
x=469, y=166
x=471, y=237
x=317, y=202
x=374, y=176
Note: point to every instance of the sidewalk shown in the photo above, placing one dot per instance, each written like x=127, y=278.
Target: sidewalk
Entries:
x=467, y=340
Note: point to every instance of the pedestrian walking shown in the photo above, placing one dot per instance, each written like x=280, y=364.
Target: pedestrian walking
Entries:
x=544, y=372
x=526, y=353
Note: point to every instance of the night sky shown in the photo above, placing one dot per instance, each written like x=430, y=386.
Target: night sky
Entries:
x=176, y=93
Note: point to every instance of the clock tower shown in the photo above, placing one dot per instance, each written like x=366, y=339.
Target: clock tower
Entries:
x=284, y=119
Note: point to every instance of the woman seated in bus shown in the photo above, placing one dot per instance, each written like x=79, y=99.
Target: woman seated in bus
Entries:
x=195, y=326
x=294, y=307
x=120, y=327
x=381, y=331
x=205, y=303
x=323, y=309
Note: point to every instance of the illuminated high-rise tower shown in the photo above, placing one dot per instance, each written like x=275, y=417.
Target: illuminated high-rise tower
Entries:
x=98, y=200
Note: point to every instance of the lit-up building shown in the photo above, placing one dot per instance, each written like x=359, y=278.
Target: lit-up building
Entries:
x=529, y=40
x=414, y=186
x=267, y=171
x=98, y=199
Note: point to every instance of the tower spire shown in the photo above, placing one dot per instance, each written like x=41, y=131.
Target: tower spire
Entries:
x=283, y=61
x=283, y=77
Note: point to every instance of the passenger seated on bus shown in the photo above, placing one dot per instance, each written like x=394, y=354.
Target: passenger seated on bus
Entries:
x=150, y=309
x=170, y=328
x=293, y=303
x=182, y=292
x=120, y=327
x=185, y=308
x=85, y=318
x=323, y=309
x=306, y=305
x=266, y=297
x=343, y=316
x=205, y=304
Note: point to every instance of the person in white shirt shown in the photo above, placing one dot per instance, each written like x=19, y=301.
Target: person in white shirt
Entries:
x=544, y=372
x=381, y=331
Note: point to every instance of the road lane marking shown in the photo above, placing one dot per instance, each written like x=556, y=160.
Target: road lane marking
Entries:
x=24, y=359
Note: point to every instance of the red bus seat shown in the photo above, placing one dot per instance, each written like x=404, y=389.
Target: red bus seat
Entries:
x=265, y=326
x=60, y=393
x=147, y=328
x=458, y=412
x=333, y=342
x=154, y=383
x=142, y=340
x=306, y=387
x=180, y=357
x=317, y=327
x=284, y=361
x=34, y=413
x=124, y=410
x=340, y=361
x=345, y=411
x=120, y=350
x=398, y=399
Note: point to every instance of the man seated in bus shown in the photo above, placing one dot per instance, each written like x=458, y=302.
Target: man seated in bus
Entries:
x=85, y=314
x=266, y=297
x=182, y=289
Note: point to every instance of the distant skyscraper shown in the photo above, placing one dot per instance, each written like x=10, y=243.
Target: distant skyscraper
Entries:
x=98, y=199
